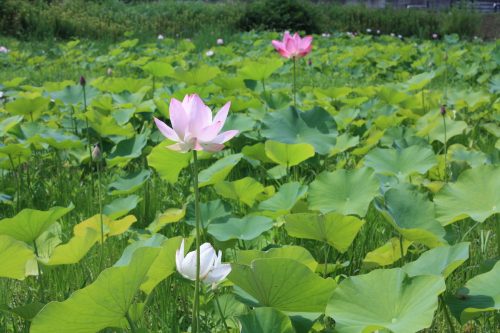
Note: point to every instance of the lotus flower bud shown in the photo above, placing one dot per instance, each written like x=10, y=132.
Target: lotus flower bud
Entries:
x=442, y=110
x=83, y=82
x=109, y=71
x=96, y=153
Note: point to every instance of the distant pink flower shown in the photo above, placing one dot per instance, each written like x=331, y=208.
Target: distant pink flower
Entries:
x=220, y=41
x=3, y=49
x=193, y=126
x=293, y=46
x=435, y=36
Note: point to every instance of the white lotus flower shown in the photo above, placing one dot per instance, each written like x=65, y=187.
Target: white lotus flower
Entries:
x=220, y=41
x=1, y=94
x=212, y=270
x=161, y=37
x=209, y=53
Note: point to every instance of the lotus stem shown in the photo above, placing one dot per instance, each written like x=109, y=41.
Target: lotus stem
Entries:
x=88, y=132
x=445, y=148
x=196, y=305
x=130, y=323
x=98, y=164
x=39, y=271
x=223, y=318
x=447, y=315
x=327, y=252
x=295, y=82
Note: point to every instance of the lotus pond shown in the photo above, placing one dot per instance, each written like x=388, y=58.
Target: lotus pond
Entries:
x=361, y=192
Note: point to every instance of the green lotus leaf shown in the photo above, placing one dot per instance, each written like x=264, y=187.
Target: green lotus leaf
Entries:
x=28, y=311
x=344, y=142
x=401, y=162
x=481, y=294
x=14, y=255
x=168, y=163
x=343, y=191
x=15, y=154
x=246, y=228
x=335, y=229
x=285, y=199
x=110, y=227
x=419, y=81
x=32, y=108
x=107, y=126
x=261, y=69
x=127, y=150
x=8, y=123
x=229, y=83
x=158, y=69
x=73, y=251
x=102, y=304
x=119, y=84
x=28, y=224
x=472, y=157
x=475, y=194
x=288, y=154
x=276, y=100
x=121, y=206
x=412, y=214
x=431, y=126
x=284, y=284
x=256, y=151
x=129, y=183
x=386, y=254
x=73, y=95
x=171, y=215
x=385, y=299
x=245, y=190
x=315, y=127
x=209, y=211
x=197, y=75
x=441, y=261
x=265, y=320
x=297, y=253
x=218, y=171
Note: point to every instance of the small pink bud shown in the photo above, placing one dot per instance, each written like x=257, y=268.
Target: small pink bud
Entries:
x=442, y=110
x=83, y=82
x=220, y=41
x=96, y=153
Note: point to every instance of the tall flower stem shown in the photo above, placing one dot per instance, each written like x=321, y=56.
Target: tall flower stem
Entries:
x=88, y=133
x=222, y=317
x=98, y=164
x=445, y=149
x=196, y=305
x=295, y=82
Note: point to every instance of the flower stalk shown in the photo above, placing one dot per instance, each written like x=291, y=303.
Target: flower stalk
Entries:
x=196, y=305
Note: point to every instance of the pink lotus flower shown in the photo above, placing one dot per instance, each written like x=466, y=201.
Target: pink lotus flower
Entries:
x=293, y=46
x=193, y=126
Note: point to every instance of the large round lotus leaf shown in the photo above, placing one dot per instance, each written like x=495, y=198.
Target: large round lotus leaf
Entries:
x=442, y=260
x=102, y=304
x=158, y=69
x=335, y=229
x=256, y=151
x=480, y=294
x=297, y=253
x=386, y=254
x=107, y=126
x=401, y=162
x=126, y=150
x=119, y=84
x=412, y=214
x=171, y=215
x=475, y=194
x=210, y=211
x=244, y=190
x=343, y=191
x=121, y=206
x=431, y=127
x=344, y=142
x=472, y=157
x=129, y=183
x=419, y=81
x=261, y=69
x=288, y=154
x=385, y=299
x=285, y=199
x=265, y=320
x=8, y=123
x=284, y=284
x=246, y=228
x=168, y=163
x=14, y=255
x=73, y=95
x=195, y=76
x=32, y=108
x=315, y=127
x=111, y=227
x=73, y=251
x=28, y=224
x=218, y=171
